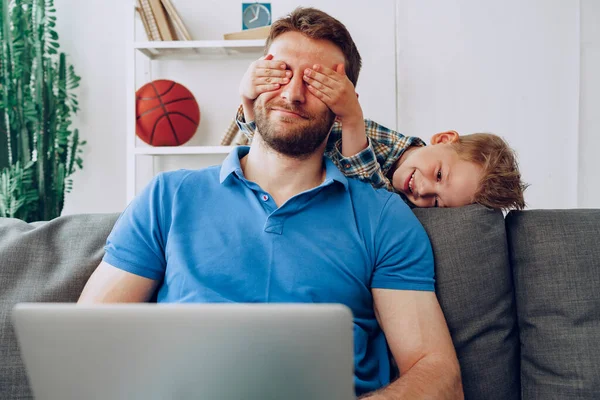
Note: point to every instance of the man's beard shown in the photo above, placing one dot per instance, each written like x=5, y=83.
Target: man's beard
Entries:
x=293, y=140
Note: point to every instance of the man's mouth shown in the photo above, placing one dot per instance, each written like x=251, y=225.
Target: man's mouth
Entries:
x=289, y=113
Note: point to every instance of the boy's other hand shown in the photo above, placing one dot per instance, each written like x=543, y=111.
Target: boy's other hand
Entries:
x=263, y=75
x=333, y=88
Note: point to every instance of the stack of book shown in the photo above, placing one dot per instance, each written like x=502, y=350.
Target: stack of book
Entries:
x=161, y=20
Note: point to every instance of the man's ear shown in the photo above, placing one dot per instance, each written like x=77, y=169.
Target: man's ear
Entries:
x=445, y=137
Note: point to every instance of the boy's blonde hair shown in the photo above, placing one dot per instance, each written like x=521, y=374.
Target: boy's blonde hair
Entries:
x=501, y=186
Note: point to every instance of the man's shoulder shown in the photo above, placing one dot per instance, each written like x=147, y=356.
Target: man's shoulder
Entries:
x=385, y=218
x=173, y=181
x=183, y=175
x=366, y=196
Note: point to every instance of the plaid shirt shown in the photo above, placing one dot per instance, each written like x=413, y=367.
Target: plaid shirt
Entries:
x=372, y=164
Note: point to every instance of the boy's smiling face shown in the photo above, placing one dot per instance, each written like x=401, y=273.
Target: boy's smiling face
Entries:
x=436, y=176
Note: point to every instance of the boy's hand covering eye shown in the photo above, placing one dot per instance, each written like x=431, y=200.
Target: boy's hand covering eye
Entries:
x=333, y=88
x=263, y=75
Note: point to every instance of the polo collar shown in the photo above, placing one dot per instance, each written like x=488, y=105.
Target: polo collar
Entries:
x=232, y=164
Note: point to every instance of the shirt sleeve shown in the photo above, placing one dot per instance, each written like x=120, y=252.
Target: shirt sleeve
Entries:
x=137, y=241
x=404, y=259
x=384, y=149
x=362, y=165
x=247, y=128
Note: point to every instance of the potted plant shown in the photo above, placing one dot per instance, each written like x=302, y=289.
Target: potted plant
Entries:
x=39, y=150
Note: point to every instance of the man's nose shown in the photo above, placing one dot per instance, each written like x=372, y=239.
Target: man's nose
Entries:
x=294, y=91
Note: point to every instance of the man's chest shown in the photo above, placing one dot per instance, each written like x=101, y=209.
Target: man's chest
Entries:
x=258, y=256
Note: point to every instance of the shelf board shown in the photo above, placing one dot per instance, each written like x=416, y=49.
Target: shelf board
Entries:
x=182, y=150
x=195, y=48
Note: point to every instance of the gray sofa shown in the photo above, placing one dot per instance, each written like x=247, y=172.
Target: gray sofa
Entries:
x=521, y=294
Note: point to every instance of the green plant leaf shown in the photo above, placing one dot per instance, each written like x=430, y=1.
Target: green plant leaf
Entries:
x=38, y=147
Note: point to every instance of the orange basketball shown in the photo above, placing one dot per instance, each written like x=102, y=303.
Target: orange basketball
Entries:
x=166, y=112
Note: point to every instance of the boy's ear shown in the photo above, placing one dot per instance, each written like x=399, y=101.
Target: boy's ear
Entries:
x=445, y=137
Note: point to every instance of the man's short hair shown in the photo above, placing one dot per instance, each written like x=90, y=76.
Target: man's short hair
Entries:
x=318, y=25
x=501, y=186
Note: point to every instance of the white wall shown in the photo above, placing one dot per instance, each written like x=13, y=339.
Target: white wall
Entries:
x=508, y=67
x=589, y=126
x=92, y=34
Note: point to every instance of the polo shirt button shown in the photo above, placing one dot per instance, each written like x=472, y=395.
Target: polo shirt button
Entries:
x=265, y=197
x=346, y=166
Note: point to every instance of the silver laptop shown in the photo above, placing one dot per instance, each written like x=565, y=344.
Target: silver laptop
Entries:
x=177, y=351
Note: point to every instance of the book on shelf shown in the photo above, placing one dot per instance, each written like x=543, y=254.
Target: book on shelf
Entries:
x=179, y=28
x=144, y=22
x=249, y=34
x=161, y=20
x=153, y=32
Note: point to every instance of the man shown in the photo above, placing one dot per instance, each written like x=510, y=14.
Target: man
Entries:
x=278, y=222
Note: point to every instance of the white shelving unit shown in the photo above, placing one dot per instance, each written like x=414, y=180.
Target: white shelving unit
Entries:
x=195, y=48
x=172, y=50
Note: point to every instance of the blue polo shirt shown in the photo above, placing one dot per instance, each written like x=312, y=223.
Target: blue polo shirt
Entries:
x=212, y=236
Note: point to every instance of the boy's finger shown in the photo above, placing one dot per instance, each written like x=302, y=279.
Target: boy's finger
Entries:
x=272, y=64
x=271, y=79
x=321, y=78
x=327, y=91
x=325, y=71
x=268, y=62
x=267, y=88
x=319, y=94
x=278, y=73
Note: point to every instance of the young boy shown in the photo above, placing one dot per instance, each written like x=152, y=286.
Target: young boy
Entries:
x=455, y=171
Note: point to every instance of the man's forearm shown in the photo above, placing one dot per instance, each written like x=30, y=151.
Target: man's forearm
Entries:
x=430, y=378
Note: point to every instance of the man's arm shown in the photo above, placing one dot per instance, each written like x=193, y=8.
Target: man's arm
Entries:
x=418, y=336
x=113, y=285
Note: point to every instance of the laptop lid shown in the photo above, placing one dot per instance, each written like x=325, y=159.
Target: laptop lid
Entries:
x=187, y=351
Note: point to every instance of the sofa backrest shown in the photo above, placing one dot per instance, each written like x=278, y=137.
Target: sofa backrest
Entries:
x=43, y=262
x=475, y=290
x=555, y=256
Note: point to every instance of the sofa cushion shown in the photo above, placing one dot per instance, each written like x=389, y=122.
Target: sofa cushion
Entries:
x=43, y=262
x=556, y=264
x=475, y=290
